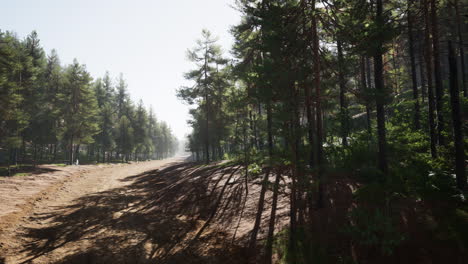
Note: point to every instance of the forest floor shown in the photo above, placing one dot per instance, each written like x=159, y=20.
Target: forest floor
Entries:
x=147, y=212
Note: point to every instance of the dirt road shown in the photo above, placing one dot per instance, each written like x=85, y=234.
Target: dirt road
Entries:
x=167, y=211
x=34, y=203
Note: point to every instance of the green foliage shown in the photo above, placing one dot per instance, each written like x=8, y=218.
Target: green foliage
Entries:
x=78, y=106
x=373, y=229
x=254, y=169
x=307, y=251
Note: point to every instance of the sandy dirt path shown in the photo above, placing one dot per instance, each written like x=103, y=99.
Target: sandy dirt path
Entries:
x=27, y=203
x=163, y=212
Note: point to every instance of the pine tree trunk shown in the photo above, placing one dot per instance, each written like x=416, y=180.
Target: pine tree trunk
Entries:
x=343, y=105
x=421, y=69
x=417, y=113
x=41, y=153
x=461, y=50
x=457, y=123
x=364, y=90
x=77, y=152
x=308, y=102
x=207, y=111
x=55, y=153
x=430, y=92
x=9, y=162
x=310, y=123
x=318, y=107
x=369, y=86
x=23, y=150
x=34, y=154
x=380, y=95
x=71, y=151
x=437, y=73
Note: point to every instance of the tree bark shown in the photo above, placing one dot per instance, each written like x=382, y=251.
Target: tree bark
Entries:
x=437, y=73
x=369, y=86
x=457, y=123
x=364, y=90
x=460, y=47
x=343, y=104
x=380, y=97
x=71, y=150
x=417, y=113
x=430, y=92
x=318, y=107
x=207, y=138
x=77, y=152
x=55, y=152
x=421, y=69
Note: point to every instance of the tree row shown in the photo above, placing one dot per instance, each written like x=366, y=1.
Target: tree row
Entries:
x=55, y=113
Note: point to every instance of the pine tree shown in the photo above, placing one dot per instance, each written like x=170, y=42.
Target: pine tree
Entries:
x=206, y=56
x=79, y=108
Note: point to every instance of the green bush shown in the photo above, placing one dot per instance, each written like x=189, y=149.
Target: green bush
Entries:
x=373, y=229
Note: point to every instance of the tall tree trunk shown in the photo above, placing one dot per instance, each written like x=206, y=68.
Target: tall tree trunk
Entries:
x=457, y=123
x=417, y=114
x=293, y=137
x=421, y=69
x=261, y=143
x=9, y=161
x=41, y=153
x=364, y=90
x=310, y=123
x=207, y=110
x=23, y=150
x=270, y=133
x=437, y=73
x=318, y=107
x=34, y=154
x=380, y=91
x=55, y=152
x=71, y=150
x=77, y=152
x=308, y=101
x=430, y=91
x=460, y=47
x=343, y=105
x=369, y=86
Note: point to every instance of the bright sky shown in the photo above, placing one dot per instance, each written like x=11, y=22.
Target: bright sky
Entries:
x=146, y=40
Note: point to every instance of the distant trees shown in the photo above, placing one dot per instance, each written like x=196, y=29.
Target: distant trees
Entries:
x=50, y=112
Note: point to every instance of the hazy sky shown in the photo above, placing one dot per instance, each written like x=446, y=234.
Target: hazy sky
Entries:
x=146, y=40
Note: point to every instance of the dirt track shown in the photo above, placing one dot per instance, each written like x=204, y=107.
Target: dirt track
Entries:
x=28, y=202
x=148, y=212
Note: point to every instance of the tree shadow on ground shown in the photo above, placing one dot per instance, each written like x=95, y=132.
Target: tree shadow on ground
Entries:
x=151, y=220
